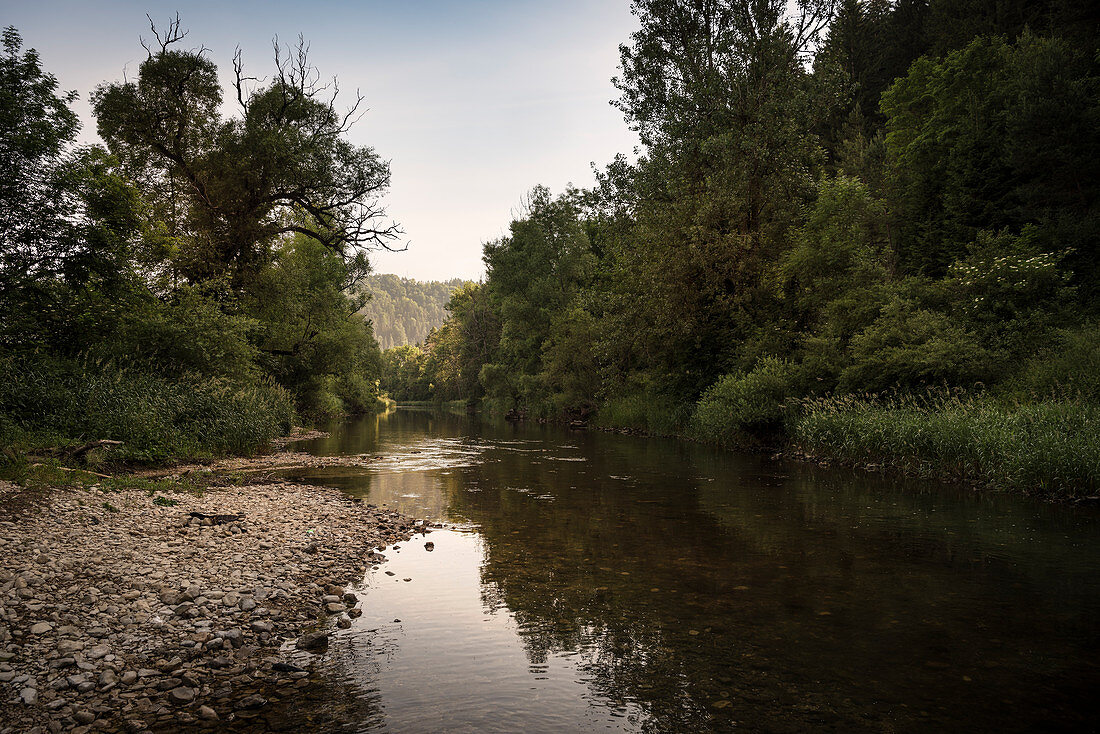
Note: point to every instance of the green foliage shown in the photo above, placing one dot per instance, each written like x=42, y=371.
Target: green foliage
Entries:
x=995, y=135
x=1066, y=368
x=744, y=407
x=1049, y=448
x=837, y=267
x=229, y=188
x=155, y=418
x=911, y=347
x=404, y=311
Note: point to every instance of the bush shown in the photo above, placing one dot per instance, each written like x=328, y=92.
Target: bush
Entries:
x=912, y=347
x=744, y=409
x=1070, y=368
x=59, y=402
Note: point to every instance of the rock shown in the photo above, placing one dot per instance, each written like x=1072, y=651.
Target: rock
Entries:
x=247, y=604
x=351, y=599
x=252, y=702
x=429, y=546
x=262, y=626
x=312, y=641
x=84, y=717
x=98, y=652
x=334, y=607
x=107, y=677
x=353, y=613
x=129, y=677
x=343, y=621
x=287, y=668
x=182, y=694
x=29, y=696
x=205, y=712
x=41, y=628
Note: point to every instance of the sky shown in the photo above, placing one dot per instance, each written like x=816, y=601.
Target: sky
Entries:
x=473, y=103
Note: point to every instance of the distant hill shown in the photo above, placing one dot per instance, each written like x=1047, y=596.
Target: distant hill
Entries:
x=405, y=310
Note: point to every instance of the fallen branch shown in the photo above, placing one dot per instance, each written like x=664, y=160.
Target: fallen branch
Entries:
x=82, y=471
x=79, y=452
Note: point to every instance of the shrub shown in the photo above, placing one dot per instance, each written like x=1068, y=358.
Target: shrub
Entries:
x=59, y=402
x=743, y=409
x=911, y=347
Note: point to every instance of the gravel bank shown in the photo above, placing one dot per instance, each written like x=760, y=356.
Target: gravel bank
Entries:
x=119, y=614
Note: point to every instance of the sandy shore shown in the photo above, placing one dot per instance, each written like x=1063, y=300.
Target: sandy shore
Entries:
x=121, y=614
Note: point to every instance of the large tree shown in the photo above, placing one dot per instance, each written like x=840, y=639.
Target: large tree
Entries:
x=230, y=187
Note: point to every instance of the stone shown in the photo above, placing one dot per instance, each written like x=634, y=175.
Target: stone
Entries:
x=312, y=641
x=41, y=628
x=350, y=599
x=247, y=604
x=182, y=694
x=129, y=677
x=252, y=702
x=334, y=607
x=205, y=712
x=29, y=696
x=84, y=717
x=98, y=652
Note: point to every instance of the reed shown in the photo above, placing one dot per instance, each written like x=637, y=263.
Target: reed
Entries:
x=1049, y=448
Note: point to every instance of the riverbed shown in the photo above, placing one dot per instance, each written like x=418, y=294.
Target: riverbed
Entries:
x=588, y=581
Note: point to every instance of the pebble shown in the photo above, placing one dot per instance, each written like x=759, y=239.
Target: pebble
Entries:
x=145, y=621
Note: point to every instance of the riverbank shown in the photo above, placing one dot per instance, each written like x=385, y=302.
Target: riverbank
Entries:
x=1049, y=449
x=127, y=610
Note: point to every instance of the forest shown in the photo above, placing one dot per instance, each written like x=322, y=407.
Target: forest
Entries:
x=189, y=288
x=866, y=234
x=404, y=311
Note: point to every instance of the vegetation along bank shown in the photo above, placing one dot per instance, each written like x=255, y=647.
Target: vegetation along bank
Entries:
x=880, y=248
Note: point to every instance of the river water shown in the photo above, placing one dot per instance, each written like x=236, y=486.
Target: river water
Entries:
x=589, y=581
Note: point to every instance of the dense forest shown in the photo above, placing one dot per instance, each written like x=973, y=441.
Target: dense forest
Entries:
x=190, y=287
x=865, y=231
x=403, y=310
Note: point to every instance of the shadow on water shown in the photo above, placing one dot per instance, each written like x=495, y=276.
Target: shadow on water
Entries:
x=606, y=582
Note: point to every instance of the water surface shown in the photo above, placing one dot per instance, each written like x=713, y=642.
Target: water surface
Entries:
x=595, y=582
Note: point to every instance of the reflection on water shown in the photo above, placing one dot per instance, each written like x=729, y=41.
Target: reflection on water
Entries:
x=601, y=582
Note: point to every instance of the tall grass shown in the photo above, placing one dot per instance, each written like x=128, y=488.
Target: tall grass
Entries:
x=56, y=403
x=1051, y=448
x=643, y=411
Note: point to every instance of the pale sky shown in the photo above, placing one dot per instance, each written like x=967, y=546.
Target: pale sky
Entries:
x=472, y=102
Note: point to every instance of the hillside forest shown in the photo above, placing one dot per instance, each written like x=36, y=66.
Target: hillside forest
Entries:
x=866, y=232
x=404, y=311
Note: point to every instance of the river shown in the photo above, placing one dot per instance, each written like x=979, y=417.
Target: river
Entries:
x=588, y=581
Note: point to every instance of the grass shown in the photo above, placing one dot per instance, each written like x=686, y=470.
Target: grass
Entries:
x=1049, y=448
x=645, y=412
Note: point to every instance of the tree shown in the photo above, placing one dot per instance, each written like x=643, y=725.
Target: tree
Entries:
x=229, y=188
x=69, y=223
x=996, y=135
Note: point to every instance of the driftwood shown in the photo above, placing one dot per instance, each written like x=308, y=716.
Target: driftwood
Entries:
x=82, y=471
x=80, y=451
